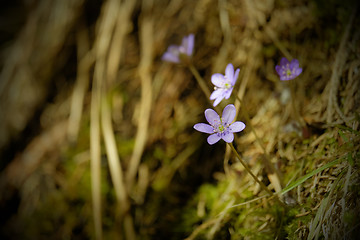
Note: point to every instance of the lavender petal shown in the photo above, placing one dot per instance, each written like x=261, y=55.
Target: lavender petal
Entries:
x=218, y=100
x=169, y=57
x=228, y=137
x=218, y=80
x=212, y=117
x=190, y=44
x=216, y=94
x=283, y=61
x=229, y=113
x=298, y=72
x=212, y=139
x=229, y=72
x=279, y=70
x=236, y=76
x=237, y=127
x=228, y=93
x=203, y=127
x=294, y=64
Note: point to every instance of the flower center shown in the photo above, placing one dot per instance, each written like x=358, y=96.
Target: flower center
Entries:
x=182, y=49
x=288, y=72
x=221, y=127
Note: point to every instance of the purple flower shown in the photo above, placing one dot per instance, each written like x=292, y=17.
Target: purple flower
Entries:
x=174, y=52
x=220, y=128
x=224, y=84
x=287, y=70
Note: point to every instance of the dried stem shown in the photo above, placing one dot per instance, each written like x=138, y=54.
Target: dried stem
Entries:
x=146, y=98
x=113, y=156
x=77, y=100
x=96, y=156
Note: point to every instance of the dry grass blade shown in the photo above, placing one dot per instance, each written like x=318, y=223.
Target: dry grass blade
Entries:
x=341, y=57
x=95, y=157
x=86, y=61
x=104, y=32
x=113, y=156
x=146, y=39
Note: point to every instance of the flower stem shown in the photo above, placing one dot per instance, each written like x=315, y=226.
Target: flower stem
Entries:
x=200, y=80
x=262, y=185
x=249, y=171
x=267, y=157
x=295, y=112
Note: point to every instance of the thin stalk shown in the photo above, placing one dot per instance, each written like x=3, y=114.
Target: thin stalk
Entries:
x=249, y=170
x=267, y=157
x=199, y=80
x=295, y=112
x=254, y=177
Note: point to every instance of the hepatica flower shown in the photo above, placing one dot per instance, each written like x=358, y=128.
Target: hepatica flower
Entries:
x=220, y=128
x=174, y=52
x=288, y=70
x=224, y=84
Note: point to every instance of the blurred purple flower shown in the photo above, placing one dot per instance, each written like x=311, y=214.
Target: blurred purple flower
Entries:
x=174, y=52
x=220, y=128
x=224, y=84
x=288, y=70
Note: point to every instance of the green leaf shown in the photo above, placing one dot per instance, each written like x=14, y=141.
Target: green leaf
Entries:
x=348, y=129
x=307, y=176
x=342, y=135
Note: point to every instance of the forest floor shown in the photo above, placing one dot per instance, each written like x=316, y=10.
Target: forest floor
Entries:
x=97, y=137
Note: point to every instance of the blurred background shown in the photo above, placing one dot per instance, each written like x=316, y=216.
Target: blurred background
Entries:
x=96, y=131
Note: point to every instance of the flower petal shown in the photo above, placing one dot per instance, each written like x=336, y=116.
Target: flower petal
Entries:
x=236, y=76
x=228, y=93
x=279, y=70
x=283, y=61
x=229, y=72
x=190, y=44
x=212, y=139
x=212, y=117
x=284, y=78
x=218, y=100
x=237, y=127
x=203, y=127
x=229, y=113
x=298, y=72
x=228, y=137
x=218, y=80
x=170, y=57
x=217, y=93
x=294, y=64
